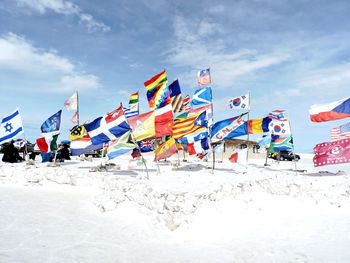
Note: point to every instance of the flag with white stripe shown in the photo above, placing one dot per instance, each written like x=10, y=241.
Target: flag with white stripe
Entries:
x=341, y=132
x=108, y=127
x=10, y=127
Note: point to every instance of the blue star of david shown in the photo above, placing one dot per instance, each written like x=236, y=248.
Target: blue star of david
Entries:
x=8, y=127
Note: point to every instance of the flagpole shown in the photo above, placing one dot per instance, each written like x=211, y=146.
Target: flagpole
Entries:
x=25, y=147
x=137, y=146
x=77, y=107
x=247, y=126
x=291, y=134
x=212, y=113
x=267, y=151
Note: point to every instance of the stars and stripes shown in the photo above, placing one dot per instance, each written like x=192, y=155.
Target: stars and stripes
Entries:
x=341, y=132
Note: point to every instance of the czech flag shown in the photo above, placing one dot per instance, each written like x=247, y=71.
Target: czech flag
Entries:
x=332, y=111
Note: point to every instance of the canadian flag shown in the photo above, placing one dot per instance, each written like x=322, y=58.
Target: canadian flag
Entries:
x=239, y=156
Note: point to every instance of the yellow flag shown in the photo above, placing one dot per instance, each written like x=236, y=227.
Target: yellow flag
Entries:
x=143, y=126
x=77, y=133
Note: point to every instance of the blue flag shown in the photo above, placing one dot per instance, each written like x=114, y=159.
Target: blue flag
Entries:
x=52, y=124
x=146, y=146
x=108, y=127
x=10, y=127
x=228, y=129
x=202, y=96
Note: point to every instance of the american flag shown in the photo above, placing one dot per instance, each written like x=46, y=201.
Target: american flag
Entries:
x=204, y=77
x=341, y=132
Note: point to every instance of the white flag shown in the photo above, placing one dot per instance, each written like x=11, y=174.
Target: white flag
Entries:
x=239, y=156
x=240, y=103
x=72, y=102
x=10, y=127
x=279, y=127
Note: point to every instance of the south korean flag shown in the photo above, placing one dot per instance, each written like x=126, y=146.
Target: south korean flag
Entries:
x=240, y=103
x=279, y=127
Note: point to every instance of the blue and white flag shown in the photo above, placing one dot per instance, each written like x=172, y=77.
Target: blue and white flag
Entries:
x=10, y=127
x=83, y=145
x=52, y=124
x=108, y=127
x=132, y=110
x=202, y=96
x=228, y=129
x=195, y=136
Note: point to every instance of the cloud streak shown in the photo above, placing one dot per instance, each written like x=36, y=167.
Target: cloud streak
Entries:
x=195, y=44
x=65, y=8
x=19, y=55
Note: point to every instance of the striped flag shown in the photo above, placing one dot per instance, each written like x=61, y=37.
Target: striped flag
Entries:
x=134, y=98
x=186, y=105
x=189, y=125
x=341, y=132
x=277, y=115
x=156, y=80
x=10, y=127
x=175, y=96
x=133, y=108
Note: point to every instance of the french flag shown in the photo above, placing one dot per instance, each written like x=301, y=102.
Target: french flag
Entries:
x=332, y=111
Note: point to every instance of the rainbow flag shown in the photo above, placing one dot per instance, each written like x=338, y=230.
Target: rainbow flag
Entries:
x=156, y=80
x=134, y=98
x=159, y=96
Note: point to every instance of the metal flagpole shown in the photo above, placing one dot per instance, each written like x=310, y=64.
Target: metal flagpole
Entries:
x=209, y=129
x=247, y=126
x=77, y=107
x=26, y=157
x=291, y=134
x=137, y=146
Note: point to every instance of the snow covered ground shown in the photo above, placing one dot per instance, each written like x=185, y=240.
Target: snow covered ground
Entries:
x=73, y=213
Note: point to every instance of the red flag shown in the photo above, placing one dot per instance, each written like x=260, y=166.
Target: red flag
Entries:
x=164, y=121
x=328, y=153
x=239, y=156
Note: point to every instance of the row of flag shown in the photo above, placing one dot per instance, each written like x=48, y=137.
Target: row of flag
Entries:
x=177, y=120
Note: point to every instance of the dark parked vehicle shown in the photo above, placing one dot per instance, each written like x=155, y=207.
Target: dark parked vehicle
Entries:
x=285, y=156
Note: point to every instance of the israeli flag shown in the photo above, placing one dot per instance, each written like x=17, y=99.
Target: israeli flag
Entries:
x=202, y=96
x=10, y=127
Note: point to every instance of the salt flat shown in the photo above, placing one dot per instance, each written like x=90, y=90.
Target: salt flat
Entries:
x=253, y=214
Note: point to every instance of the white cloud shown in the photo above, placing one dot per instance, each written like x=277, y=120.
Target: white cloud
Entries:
x=65, y=8
x=19, y=55
x=329, y=78
x=197, y=46
x=73, y=82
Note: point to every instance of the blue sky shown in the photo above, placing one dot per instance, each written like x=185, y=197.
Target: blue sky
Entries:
x=288, y=54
